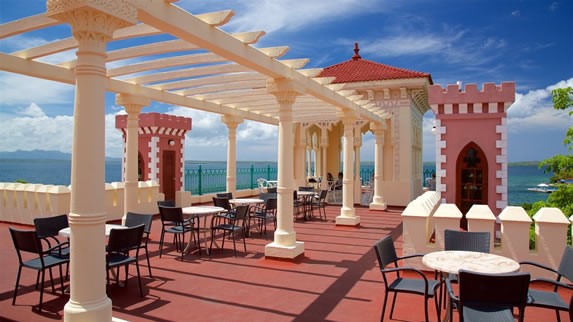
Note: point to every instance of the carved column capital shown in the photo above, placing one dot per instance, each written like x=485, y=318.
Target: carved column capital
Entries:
x=132, y=103
x=231, y=121
x=284, y=90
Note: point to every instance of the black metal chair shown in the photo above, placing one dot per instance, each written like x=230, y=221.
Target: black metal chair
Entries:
x=224, y=203
x=26, y=241
x=133, y=219
x=551, y=299
x=120, y=243
x=228, y=195
x=166, y=203
x=262, y=214
x=320, y=203
x=272, y=189
x=233, y=225
x=491, y=297
x=474, y=241
x=48, y=228
x=173, y=222
x=386, y=254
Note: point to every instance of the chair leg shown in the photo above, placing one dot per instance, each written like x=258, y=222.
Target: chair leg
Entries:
x=17, y=283
x=426, y=309
x=244, y=242
x=384, y=306
x=393, y=304
x=138, y=278
x=148, y=263
x=234, y=245
x=438, y=307
x=42, y=290
x=61, y=278
x=212, y=238
x=52, y=280
x=161, y=243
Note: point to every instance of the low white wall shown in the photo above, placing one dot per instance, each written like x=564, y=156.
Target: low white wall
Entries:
x=21, y=203
x=425, y=217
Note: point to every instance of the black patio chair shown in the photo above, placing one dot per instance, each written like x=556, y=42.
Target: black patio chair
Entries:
x=551, y=299
x=120, y=243
x=173, y=222
x=474, y=241
x=272, y=189
x=26, y=241
x=233, y=225
x=320, y=203
x=386, y=255
x=491, y=297
x=133, y=219
x=262, y=214
x=228, y=195
x=224, y=203
x=48, y=228
x=166, y=203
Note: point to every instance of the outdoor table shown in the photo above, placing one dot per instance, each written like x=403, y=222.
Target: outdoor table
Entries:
x=272, y=183
x=246, y=201
x=306, y=201
x=198, y=212
x=65, y=232
x=452, y=261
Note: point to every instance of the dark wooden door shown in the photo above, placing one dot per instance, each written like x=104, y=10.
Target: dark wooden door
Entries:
x=471, y=178
x=168, y=177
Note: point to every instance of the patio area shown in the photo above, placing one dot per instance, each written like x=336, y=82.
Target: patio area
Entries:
x=336, y=280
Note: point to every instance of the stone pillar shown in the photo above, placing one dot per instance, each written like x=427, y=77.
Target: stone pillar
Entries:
x=299, y=155
x=324, y=148
x=347, y=216
x=133, y=105
x=357, y=179
x=92, y=23
x=284, y=244
x=232, y=122
x=378, y=202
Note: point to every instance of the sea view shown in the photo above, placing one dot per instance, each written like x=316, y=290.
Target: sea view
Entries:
x=57, y=172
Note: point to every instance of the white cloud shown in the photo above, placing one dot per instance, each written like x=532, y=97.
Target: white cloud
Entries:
x=17, y=90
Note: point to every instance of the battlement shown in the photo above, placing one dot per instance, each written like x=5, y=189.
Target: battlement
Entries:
x=490, y=93
x=157, y=120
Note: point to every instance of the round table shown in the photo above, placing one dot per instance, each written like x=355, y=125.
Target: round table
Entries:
x=246, y=201
x=65, y=232
x=451, y=261
x=306, y=202
x=200, y=211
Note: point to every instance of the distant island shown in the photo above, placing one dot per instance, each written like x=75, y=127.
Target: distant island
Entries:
x=57, y=155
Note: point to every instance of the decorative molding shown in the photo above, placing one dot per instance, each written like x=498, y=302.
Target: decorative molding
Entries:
x=154, y=159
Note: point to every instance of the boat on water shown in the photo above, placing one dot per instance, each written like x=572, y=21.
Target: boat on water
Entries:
x=543, y=187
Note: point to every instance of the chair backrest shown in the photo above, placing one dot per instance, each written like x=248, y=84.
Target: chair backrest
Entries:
x=323, y=194
x=133, y=219
x=171, y=214
x=566, y=265
x=305, y=189
x=385, y=252
x=166, y=203
x=271, y=205
x=242, y=213
x=221, y=202
x=496, y=290
x=476, y=241
x=50, y=226
x=272, y=189
x=125, y=239
x=25, y=241
x=228, y=195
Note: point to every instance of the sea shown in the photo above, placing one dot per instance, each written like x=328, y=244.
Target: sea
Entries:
x=57, y=172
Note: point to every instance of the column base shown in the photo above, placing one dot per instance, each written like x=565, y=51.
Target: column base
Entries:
x=378, y=206
x=100, y=311
x=348, y=221
x=274, y=250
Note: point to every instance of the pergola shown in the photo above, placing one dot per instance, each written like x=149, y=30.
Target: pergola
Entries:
x=200, y=67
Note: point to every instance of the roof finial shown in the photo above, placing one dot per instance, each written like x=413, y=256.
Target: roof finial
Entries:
x=356, y=50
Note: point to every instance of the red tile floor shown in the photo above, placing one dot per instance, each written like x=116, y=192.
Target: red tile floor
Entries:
x=336, y=280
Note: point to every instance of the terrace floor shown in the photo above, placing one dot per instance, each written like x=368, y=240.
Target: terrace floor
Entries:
x=337, y=280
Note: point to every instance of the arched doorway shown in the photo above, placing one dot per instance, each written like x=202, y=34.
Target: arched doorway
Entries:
x=471, y=182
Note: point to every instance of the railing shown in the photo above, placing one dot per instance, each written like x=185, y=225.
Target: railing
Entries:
x=203, y=181
x=427, y=173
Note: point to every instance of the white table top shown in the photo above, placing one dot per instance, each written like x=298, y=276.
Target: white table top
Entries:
x=65, y=232
x=201, y=210
x=453, y=261
x=305, y=193
x=246, y=201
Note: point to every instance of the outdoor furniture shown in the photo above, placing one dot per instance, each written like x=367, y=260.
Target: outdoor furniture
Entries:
x=305, y=198
x=262, y=214
x=48, y=228
x=225, y=204
x=452, y=261
x=172, y=222
x=272, y=189
x=197, y=212
x=320, y=203
x=120, y=243
x=491, y=297
x=233, y=225
x=166, y=203
x=262, y=183
x=228, y=195
x=26, y=241
x=476, y=241
x=551, y=299
x=134, y=219
x=386, y=255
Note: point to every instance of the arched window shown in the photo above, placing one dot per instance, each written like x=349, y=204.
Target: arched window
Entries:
x=471, y=178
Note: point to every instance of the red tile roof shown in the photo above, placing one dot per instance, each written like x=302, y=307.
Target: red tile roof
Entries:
x=362, y=70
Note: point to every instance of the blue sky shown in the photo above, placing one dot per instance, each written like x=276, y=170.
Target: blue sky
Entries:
x=529, y=42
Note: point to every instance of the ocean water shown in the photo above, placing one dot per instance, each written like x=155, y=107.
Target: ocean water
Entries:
x=57, y=172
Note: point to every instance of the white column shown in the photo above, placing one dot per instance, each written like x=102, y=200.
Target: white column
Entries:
x=284, y=244
x=324, y=147
x=133, y=105
x=378, y=202
x=299, y=156
x=347, y=216
x=232, y=122
x=92, y=28
x=357, y=145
